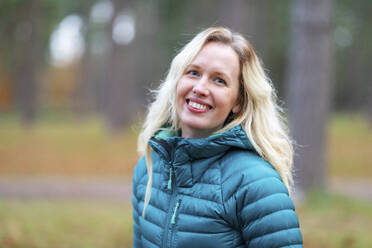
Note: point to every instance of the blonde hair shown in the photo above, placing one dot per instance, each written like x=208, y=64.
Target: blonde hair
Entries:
x=259, y=114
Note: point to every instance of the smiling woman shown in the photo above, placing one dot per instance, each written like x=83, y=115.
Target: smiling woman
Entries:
x=217, y=158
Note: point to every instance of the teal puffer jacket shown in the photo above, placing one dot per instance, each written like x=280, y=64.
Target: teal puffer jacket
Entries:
x=212, y=192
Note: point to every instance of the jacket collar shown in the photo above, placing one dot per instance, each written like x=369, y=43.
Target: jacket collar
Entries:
x=181, y=153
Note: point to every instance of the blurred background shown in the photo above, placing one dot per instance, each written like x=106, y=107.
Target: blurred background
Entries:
x=75, y=80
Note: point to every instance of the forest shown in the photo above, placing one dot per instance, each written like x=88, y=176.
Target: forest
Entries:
x=76, y=78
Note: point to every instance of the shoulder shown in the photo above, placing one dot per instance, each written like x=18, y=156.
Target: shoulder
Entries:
x=246, y=167
x=246, y=174
x=257, y=201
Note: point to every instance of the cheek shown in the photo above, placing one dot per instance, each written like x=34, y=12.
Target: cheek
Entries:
x=180, y=95
x=227, y=102
x=181, y=90
x=226, y=99
x=234, y=97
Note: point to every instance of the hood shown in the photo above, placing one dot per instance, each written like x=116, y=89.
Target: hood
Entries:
x=182, y=153
x=178, y=149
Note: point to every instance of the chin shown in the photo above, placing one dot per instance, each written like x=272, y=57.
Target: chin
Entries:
x=193, y=121
x=200, y=126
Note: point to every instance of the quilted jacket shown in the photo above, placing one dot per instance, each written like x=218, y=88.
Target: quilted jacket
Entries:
x=212, y=192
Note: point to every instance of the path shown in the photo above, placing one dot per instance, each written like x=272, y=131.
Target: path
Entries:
x=361, y=189
x=65, y=189
x=121, y=190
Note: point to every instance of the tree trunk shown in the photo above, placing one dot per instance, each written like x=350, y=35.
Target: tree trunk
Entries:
x=308, y=78
x=84, y=98
x=147, y=52
x=119, y=91
x=369, y=106
x=28, y=59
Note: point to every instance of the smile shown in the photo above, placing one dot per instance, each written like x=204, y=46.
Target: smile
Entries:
x=197, y=106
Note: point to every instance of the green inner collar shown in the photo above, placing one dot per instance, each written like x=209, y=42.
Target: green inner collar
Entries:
x=166, y=133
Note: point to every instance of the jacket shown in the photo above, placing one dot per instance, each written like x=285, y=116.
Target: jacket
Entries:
x=212, y=192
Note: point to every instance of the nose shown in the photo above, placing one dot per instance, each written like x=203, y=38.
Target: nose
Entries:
x=201, y=87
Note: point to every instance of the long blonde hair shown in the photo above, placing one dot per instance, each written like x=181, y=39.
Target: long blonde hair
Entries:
x=259, y=114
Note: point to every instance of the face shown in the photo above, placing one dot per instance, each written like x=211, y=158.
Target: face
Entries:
x=208, y=90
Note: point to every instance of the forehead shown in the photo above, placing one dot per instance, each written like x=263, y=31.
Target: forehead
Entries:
x=218, y=56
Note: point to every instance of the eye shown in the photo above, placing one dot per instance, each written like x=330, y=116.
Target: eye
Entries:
x=220, y=80
x=193, y=73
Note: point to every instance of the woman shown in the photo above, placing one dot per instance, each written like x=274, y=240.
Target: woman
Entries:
x=217, y=159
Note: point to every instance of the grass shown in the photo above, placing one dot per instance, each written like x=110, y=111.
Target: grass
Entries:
x=332, y=221
x=350, y=146
x=59, y=224
x=63, y=146
x=327, y=221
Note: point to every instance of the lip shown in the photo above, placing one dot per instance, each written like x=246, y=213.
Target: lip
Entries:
x=194, y=110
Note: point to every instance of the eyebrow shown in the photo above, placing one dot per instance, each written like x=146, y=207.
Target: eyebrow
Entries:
x=193, y=66
x=219, y=73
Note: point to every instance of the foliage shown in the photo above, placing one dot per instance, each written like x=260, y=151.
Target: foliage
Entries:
x=44, y=224
x=14, y=22
x=162, y=27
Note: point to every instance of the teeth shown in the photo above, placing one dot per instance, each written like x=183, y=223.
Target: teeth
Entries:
x=197, y=105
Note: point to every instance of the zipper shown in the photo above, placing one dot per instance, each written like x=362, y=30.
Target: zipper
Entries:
x=174, y=204
x=176, y=211
x=173, y=220
x=170, y=178
x=171, y=186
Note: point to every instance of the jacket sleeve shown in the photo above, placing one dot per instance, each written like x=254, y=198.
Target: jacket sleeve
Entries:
x=266, y=214
x=136, y=211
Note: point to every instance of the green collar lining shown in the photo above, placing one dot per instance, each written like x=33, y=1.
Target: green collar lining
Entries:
x=166, y=133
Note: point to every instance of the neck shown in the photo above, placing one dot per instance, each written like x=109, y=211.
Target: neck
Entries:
x=196, y=133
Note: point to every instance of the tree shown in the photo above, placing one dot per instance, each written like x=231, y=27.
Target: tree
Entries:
x=369, y=106
x=25, y=31
x=119, y=81
x=309, y=75
x=22, y=38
